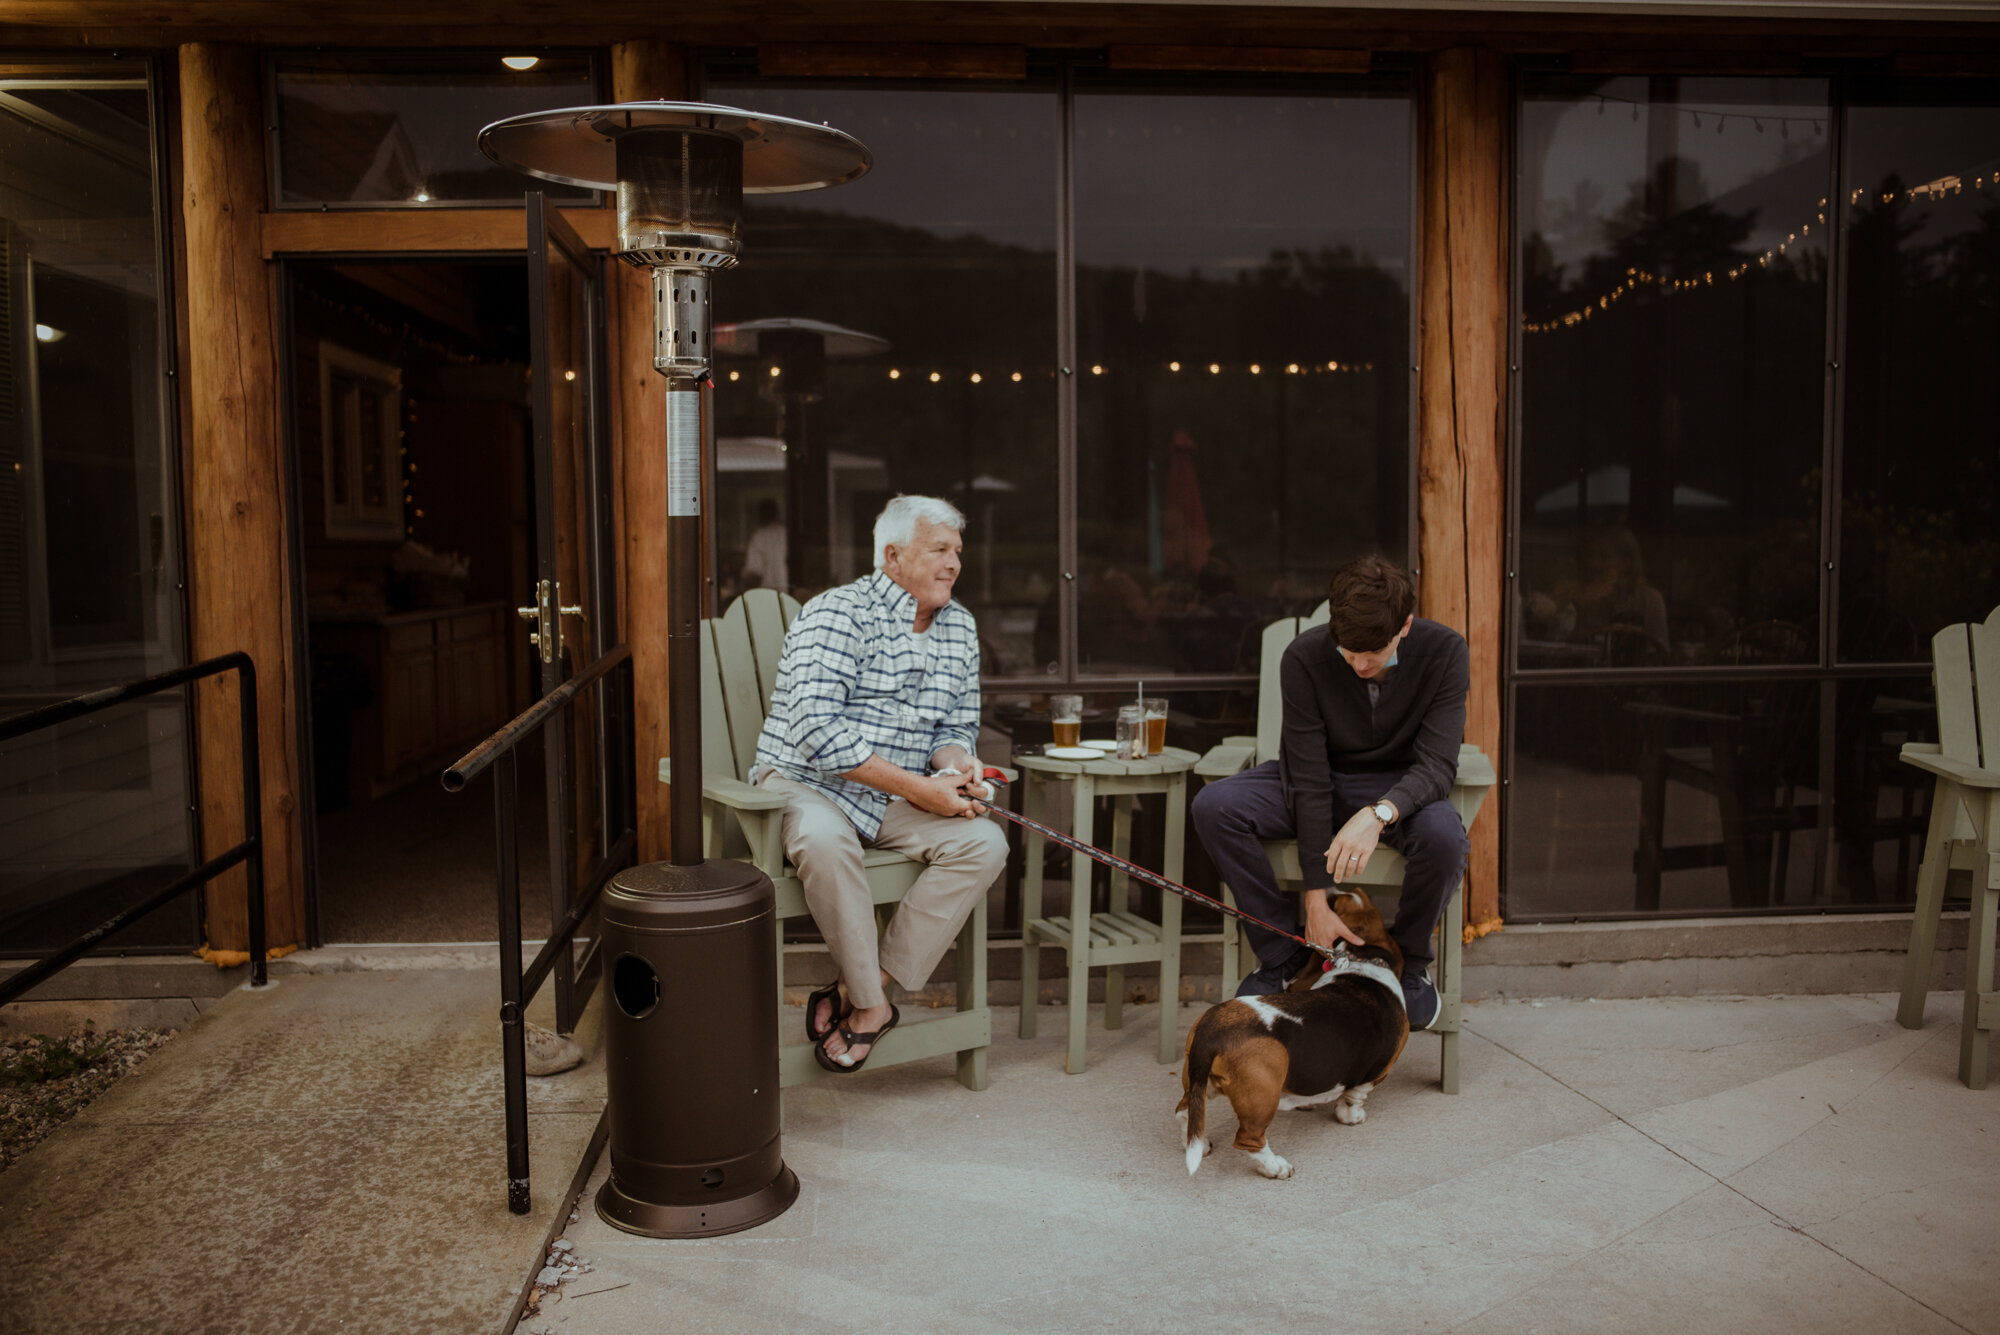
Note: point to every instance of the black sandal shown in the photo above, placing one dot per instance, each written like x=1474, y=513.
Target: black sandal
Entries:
x=820, y=1053
x=840, y=1010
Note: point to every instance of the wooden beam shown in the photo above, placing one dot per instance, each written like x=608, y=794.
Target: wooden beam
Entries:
x=641, y=70
x=1249, y=59
x=419, y=231
x=239, y=585
x=1462, y=346
x=892, y=60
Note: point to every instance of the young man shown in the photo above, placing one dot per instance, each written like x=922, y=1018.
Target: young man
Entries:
x=1374, y=709
x=877, y=691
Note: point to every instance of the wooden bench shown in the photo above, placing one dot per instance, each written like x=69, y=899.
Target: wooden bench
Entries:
x=739, y=666
x=1964, y=831
x=1385, y=867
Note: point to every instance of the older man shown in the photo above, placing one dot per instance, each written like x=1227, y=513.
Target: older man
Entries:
x=878, y=692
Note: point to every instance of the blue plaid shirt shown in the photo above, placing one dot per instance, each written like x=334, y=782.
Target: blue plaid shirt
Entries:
x=854, y=682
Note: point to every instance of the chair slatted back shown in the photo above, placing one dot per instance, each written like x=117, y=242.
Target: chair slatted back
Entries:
x=1965, y=663
x=1270, y=702
x=740, y=651
x=1986, y=685
x=1951, y=662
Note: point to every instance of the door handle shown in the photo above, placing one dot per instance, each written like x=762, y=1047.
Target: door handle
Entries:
x=545, y=614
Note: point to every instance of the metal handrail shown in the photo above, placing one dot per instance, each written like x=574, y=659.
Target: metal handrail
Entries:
x=519, y=985
x=250, y=851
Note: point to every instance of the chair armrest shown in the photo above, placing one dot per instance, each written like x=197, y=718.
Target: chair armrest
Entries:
x=732, y=793
x=1928, y=756
x=1474, y=769
x=1226, y=759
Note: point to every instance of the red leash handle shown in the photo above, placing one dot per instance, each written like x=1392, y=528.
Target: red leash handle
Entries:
x=993, y=778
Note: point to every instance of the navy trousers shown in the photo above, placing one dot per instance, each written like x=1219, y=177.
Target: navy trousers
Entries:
x=1235, y=815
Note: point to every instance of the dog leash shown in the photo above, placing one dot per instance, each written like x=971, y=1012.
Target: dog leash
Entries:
x=994, y=778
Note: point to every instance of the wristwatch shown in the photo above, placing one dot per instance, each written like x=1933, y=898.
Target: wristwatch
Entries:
x=1383, y=812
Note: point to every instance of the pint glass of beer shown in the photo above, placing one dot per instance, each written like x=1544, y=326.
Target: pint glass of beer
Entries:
x=1156, y=724
x=1066, y=716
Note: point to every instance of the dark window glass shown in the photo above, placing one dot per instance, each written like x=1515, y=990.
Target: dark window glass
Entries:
x=1671, y=799
x=374, y=129
x=1243, y=293
x=898, y=335
x=94, y=814
x=1673, y=288
x=1880, y=805
x=1920, y=475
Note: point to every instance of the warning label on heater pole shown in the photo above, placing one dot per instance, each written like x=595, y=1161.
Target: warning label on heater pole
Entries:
x=683, y=454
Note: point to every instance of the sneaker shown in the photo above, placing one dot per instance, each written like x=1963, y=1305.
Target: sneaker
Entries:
x=1420, y=998
x=549, y=1052
x=1275, y=978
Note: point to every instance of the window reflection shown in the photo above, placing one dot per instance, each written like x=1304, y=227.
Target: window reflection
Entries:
x=1681, y=799
x=374, y=129
x=1673, y=288
x=97, y=809
x=898, y=336
x=1243, y=330
x=1920, y=477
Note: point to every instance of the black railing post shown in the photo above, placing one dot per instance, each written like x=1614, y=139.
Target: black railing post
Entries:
x=513, y=1034
x=250, y=850
x=253, y=817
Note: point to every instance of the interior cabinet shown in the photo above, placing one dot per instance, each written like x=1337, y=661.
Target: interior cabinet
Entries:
x=436, y=682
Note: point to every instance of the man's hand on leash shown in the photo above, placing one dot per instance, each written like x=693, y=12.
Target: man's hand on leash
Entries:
x=942, y=794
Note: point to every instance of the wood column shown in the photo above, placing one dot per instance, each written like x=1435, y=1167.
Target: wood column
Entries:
x=239, y=586
x=1462, y=410
x=643, y=70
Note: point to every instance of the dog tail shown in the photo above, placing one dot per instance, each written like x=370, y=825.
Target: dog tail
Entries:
x=1200, y=1058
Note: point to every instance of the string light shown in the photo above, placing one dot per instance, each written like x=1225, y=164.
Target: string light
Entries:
x=1932, y=191
x=1214, y=368
x=734, y=374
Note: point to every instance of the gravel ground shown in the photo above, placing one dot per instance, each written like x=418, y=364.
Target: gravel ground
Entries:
x=46, y=1081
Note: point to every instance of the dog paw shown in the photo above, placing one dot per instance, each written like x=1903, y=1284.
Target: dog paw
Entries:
x=1271, y=1165
x=1347, y=1114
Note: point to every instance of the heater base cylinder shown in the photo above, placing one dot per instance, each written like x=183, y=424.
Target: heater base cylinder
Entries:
x=691, y=1047
x=712, y=1220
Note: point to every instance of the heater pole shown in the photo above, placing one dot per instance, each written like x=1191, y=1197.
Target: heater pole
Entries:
x=684, y=623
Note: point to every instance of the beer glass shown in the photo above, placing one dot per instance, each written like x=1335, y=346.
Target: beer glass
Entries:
x=1066, y=716
x=1156, y=724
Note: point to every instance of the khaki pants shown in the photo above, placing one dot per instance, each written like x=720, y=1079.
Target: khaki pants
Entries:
x=962, y=859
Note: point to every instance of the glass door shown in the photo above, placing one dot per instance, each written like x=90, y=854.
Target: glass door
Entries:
x=572, y=609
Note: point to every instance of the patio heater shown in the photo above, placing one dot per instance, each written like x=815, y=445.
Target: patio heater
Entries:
x=691, y=1022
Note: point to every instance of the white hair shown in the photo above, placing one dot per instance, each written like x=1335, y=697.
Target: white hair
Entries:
x=897, y=524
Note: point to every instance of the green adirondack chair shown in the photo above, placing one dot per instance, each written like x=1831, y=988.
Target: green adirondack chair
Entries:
x=1964, y=830
x=739, y=666
x=1384, y=871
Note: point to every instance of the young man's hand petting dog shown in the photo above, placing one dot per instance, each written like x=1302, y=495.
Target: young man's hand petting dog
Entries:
x=1331, y=1038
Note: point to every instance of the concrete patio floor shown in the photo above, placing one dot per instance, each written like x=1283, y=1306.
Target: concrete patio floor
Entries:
x=1673, y=1165
x=328, y=1157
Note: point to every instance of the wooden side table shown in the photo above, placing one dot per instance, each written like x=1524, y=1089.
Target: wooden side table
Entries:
x=1117, y=937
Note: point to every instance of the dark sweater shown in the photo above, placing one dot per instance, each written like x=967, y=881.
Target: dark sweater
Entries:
x=1417, y=724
